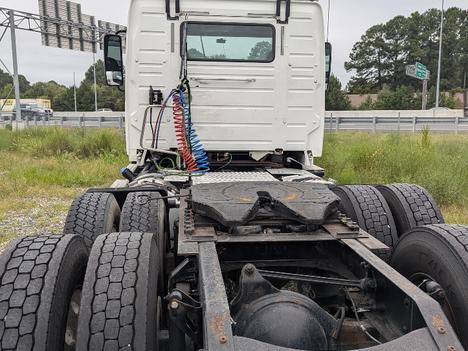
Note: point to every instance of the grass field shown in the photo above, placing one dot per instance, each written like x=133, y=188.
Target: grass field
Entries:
x=42, y=170
x=438, y=162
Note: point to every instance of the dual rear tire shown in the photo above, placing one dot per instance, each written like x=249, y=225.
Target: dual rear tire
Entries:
x=119, y=303
x=388, y=211
x=124, y=273
x=91, y=215
x=411, y=205
x=39, y=275
x=47, y=281
x=366, y=206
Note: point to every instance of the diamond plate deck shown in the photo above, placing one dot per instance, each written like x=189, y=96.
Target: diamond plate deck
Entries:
x=233, y=177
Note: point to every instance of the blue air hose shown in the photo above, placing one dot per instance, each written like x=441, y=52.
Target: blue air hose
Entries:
x=194, y=141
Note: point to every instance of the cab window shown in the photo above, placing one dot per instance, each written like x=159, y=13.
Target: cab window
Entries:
x=229, y=42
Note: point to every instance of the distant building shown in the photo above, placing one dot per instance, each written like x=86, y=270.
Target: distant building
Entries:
x=9, y=104
x=357, y=100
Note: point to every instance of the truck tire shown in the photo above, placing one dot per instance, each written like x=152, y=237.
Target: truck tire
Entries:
x=439, y=253
x=119, y=303
x=145, y=212
x=91, y=215
x=39, y=275
x=366, y=206
x=411, y=205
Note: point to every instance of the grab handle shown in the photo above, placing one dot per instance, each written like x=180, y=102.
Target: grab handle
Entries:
x=239, y=80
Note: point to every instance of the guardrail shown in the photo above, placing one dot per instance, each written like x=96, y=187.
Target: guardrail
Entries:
x=389, y=121
x=393, y=124
x=72, y=119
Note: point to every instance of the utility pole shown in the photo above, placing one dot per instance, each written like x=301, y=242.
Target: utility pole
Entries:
x=465, y=97
x=14, y=53
x=328, y=20
x=74, y=91
x=424, y=95
x=95, y=83
x=440, y=55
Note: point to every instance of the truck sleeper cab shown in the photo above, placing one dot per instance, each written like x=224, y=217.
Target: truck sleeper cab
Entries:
x=258, y=85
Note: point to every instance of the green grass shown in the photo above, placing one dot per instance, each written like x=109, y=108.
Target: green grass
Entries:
x=43, y=169
x=438, y=162
x=54, y=163
x=66, y=158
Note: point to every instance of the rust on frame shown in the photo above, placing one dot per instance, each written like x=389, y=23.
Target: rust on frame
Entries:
x=217, y=323
x=438, y=321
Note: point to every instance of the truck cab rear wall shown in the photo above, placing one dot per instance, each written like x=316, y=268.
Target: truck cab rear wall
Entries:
x=238, y=104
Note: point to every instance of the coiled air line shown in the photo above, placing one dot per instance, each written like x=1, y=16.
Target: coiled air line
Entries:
x=190, y=147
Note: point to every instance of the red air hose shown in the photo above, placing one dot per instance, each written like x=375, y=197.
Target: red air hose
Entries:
x=179, y=125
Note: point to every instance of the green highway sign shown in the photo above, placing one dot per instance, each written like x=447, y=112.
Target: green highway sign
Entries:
x=418, y=71
x=421, y=71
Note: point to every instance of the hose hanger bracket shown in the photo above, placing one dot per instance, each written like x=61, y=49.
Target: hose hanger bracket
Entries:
x=177, y=10
x=287, y=11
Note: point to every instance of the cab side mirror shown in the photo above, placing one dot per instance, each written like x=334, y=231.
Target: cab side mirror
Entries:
x=328, y=62
x=113, y=59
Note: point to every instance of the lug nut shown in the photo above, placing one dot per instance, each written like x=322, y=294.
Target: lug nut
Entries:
x=249, y=269
x=174, y=305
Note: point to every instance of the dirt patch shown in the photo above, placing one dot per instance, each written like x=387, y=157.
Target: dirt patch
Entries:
x=45, y=216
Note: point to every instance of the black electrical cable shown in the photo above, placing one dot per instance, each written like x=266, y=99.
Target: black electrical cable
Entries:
x=151, y=124
x=226, y=164
x=185, y=85
x=183, y=66
x=160, y=117
x=363, y=328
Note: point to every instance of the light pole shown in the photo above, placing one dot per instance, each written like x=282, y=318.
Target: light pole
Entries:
x=328, y=20
x=440, y=54
x=95, y=82
x=74, y=91
x=15, y=69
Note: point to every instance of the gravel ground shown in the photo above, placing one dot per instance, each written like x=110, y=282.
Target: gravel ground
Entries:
x=47, y=215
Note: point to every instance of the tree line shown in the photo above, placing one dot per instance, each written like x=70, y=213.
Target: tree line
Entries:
x=62, y=97
x=379, y=61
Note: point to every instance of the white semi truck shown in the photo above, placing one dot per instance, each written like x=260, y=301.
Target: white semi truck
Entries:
x=223, y=234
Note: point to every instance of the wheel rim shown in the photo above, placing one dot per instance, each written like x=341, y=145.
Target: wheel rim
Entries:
x=419, y=279
x=72, y=320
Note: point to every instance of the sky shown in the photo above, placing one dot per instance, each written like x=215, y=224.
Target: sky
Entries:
x=349, y=20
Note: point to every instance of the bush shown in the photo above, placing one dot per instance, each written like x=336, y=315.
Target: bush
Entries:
x=403, y=98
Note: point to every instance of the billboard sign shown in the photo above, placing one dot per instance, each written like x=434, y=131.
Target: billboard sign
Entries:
x=65, y=26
